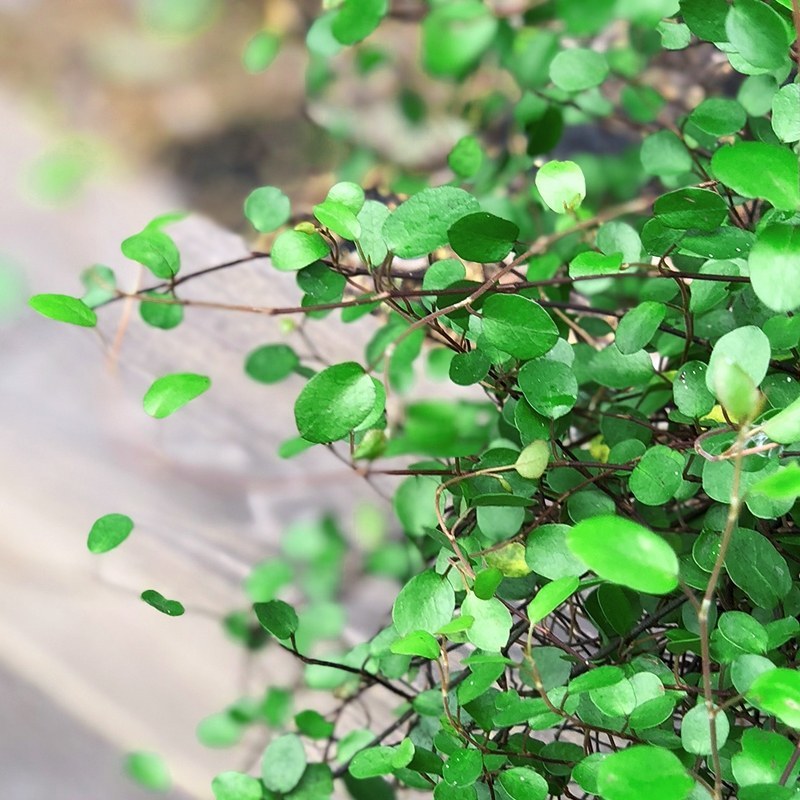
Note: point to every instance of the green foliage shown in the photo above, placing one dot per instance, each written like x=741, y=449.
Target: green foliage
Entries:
x=595, y=551
x=149, y=771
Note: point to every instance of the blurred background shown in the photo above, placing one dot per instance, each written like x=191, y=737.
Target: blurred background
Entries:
x=113, y=112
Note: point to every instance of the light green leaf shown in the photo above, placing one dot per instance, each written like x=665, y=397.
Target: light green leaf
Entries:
x=283, y=763
x=338, y=218
x=271, y=363
x=171, y=392
x=148, y=770
x=757, y=568
x=236, y=786
x=691, y=393
x=109, y=532
x=267, y=208
x=762, y=759
x=550, y=386
x=524, y=783
x=163, y=313
x=334, y=402
x=657, y=476
x=561, y=185
x=577, y=69
x=518, y=326
x=296, y=249
x=638, y=326
x=786, y=113
x=63, y=308
x=417, y=643
x=746, y=347
x=735, y=389
x=784, y=427
x=260, y=51
x=419, y=226
x=642, y=772
x=696, y=730
x=532, y=461
x=775, y=266
x=463, y=767
x=551, y=596
x=155, y=250
x=492, y=623
x=454, y=37
x=758, y=34
x=624, y=552
x=357, y=19
x=759, y=169
x=664, y=154
x=777, y=692
x=548, y=554
x=425, y=603
x=718, y=116
x=783, y=484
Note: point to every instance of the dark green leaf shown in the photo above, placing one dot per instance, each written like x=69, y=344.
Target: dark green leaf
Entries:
x=691, y=208
x=706, y=18
x=172, y=608
x=334, y=402
x=279, y=618
x=482, y=237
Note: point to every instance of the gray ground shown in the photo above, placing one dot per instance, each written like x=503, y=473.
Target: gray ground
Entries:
x=87, y=671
